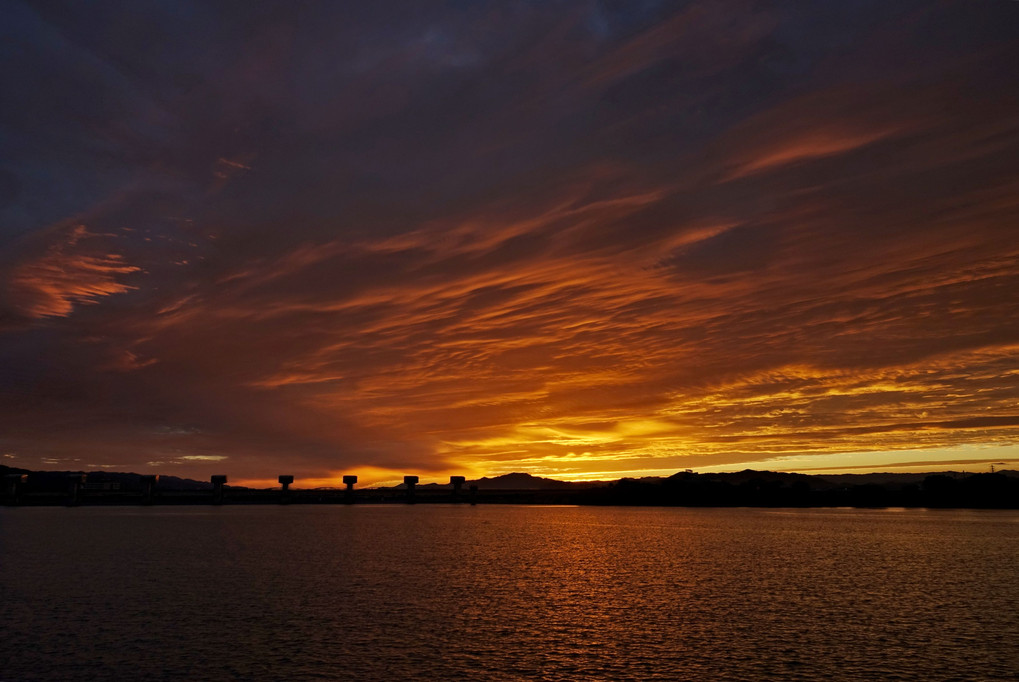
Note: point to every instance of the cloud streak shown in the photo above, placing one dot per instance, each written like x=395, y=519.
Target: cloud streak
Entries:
x=68, y=274
x=591, y=242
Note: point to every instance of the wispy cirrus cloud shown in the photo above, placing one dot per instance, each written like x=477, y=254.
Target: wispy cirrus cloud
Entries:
x=74, y=270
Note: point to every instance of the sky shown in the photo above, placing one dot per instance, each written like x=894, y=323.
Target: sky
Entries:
x=582, y=239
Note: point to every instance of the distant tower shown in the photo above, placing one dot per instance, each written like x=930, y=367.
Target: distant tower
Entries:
x=285, y=480
x=410, y=482
x=74, y=482
x=457, y=482
x=218, y=481
x=349, y=480
x=149, y=482
x=13, y=485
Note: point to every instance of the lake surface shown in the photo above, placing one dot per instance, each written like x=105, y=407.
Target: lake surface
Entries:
x=507, y=593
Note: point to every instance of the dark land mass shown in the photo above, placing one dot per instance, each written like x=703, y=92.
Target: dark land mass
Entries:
x=101, y=480
x=746, y=488
x=515, y=482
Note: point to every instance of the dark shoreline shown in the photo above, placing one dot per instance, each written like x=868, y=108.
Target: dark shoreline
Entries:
x=970, y=497
x=748, y=488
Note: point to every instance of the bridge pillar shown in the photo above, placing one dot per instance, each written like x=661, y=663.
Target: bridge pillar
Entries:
x=285, y=480
x=410, y=482
x=348, y=495
x=218, y=481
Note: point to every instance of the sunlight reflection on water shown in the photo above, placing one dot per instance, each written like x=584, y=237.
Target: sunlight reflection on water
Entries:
x=432, y=592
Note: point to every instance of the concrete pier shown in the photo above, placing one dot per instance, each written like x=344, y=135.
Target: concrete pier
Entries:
x=458, y=483
x=74, y=483
x=218, y=481
x=349, y=481
x=285, y=480
x=410, y=482
x=149, y=488
x=14, y=484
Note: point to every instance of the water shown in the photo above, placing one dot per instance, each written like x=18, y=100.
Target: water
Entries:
x=507, y=593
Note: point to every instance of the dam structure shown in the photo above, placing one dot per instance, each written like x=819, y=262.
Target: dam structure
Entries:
x=97, y=488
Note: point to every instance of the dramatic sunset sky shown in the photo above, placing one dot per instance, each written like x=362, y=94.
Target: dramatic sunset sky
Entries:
x=577, y=238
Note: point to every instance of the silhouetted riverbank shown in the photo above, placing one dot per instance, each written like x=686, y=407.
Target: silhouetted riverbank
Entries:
x=738, y=489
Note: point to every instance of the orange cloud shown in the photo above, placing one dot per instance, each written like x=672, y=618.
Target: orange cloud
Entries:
x=813, y=145
x=67, y=275
x=565, y=363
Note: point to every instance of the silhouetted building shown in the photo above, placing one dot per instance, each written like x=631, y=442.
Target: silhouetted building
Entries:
x=285, y=481
x=218, y=481
x=349, y=480
x=411, y=482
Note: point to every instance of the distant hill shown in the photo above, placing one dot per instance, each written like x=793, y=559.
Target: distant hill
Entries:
x=520, y=481
x=748, y=475
x=514, y=481
x=57, y=480
x=894, y=480
x=891, y=480
x=886, y=478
